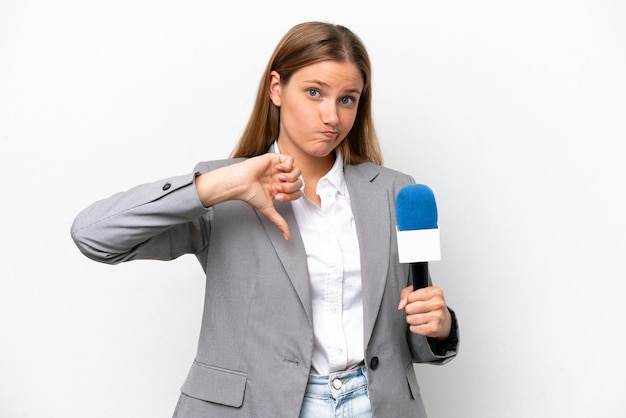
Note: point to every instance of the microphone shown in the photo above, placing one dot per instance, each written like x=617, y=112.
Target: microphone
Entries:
x=417, y=230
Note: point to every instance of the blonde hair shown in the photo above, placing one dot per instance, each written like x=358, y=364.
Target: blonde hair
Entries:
x=306, y=44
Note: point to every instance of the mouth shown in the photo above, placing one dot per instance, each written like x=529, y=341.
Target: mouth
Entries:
x=331, y=134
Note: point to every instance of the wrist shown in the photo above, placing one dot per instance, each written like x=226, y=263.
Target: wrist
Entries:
x=213, y=187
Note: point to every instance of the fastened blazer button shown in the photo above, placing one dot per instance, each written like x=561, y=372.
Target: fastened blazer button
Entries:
x=167, y=186
x=374, y=363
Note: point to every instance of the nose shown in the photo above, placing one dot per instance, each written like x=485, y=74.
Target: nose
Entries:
x=329, y=113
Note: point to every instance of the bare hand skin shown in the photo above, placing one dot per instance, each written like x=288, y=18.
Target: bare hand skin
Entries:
x=426, y=311
x=256, y=181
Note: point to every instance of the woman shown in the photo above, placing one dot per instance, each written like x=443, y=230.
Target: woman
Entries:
x=307, y=310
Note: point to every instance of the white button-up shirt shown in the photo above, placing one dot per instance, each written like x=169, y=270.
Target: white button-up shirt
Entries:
x=334, y=264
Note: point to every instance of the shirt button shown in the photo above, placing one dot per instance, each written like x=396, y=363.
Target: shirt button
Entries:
x=337, y=383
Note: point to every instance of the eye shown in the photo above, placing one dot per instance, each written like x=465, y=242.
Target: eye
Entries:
x=314, y=93
x=347, y=101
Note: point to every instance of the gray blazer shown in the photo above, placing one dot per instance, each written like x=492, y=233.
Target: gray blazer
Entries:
x=254, y=352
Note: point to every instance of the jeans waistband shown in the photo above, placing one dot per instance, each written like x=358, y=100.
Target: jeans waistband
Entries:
x=337, y=384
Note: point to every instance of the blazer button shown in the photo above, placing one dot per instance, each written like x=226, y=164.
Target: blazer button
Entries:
x=167, y=186
x=374, y=363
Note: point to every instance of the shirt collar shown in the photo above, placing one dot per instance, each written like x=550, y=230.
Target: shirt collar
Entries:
x=335, y=175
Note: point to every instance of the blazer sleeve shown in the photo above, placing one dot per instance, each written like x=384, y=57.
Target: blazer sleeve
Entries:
x=427, y=350
x=160, y=220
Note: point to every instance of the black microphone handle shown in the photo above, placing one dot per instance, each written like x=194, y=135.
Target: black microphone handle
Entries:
x=419, y=272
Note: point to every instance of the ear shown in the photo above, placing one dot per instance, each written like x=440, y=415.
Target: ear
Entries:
x=275, y=88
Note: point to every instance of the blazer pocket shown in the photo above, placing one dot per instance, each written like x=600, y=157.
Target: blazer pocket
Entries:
x=412, y=380
x=214, y=384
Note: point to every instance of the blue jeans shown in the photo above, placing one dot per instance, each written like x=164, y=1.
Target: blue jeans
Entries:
x=340, y=395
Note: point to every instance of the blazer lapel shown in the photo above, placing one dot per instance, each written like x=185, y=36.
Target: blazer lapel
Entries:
x=371, y=210
x=370, y=206
x=291, y=253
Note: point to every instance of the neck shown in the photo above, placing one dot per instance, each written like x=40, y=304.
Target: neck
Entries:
x=316, y=168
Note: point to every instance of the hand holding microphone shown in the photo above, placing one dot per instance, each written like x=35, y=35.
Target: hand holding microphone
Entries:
x=419, y=243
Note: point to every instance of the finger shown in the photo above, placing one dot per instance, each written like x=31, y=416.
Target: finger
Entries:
x=430, y=306
x=288, y=187
x=290, y=176
x=287, y=197
x=404, y=297
x=431, y=325
x=416, y=319
x=429, y=319
x=270, y=213
x=420, y=324
x=285, y=163
x=426, y=294
x=427, y=330
x=294, y=187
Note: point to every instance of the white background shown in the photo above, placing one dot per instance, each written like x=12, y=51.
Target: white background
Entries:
x=514, y=112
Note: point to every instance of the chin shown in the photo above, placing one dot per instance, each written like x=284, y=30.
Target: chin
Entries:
x=326, y=147
x=319, y=153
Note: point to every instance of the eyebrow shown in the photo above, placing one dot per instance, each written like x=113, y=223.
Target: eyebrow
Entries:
x=321, y=83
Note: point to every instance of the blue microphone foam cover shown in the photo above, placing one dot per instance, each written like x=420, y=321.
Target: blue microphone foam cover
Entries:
x=416, y=208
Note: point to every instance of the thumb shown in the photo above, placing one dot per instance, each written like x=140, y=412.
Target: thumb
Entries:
x=270, y=213
x=404, y=297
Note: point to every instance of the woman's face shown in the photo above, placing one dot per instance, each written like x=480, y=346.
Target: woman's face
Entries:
x=318, y=107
